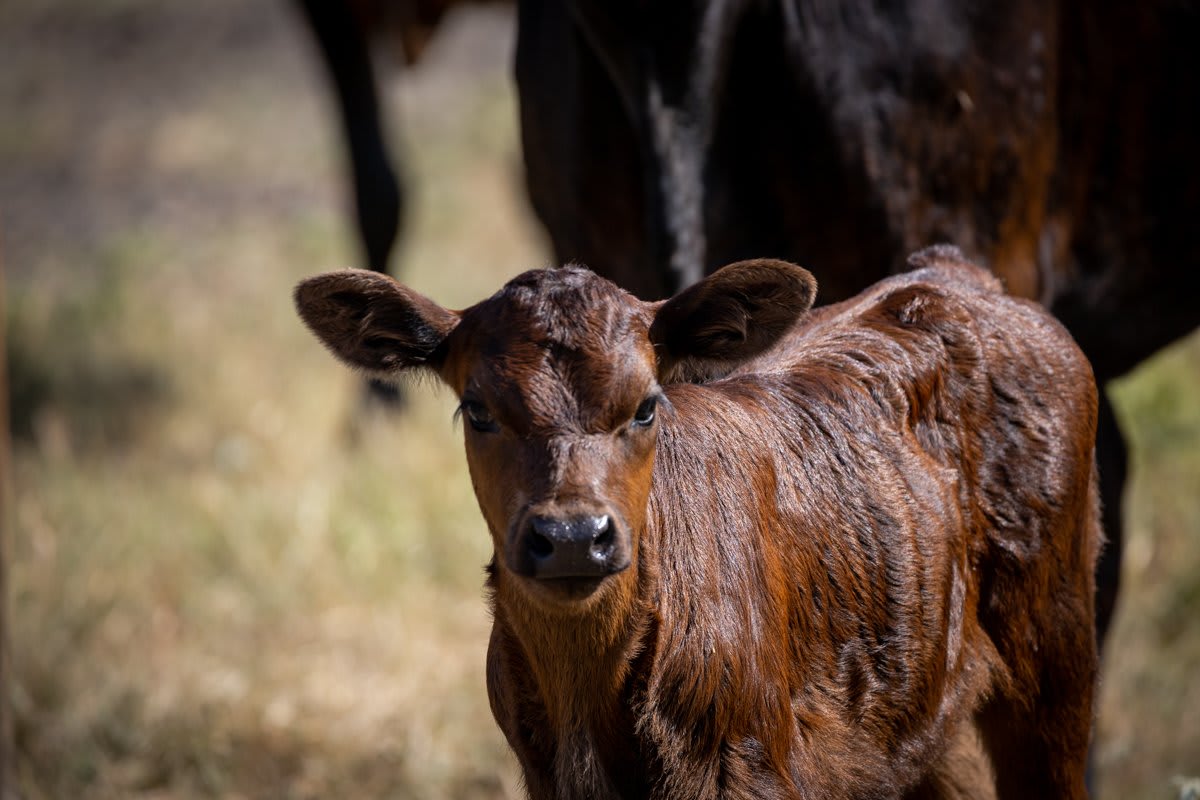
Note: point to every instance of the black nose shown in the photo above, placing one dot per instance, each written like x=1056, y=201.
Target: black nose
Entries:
x=572, y=547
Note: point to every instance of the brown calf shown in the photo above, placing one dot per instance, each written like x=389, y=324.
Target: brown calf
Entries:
x=741, y=550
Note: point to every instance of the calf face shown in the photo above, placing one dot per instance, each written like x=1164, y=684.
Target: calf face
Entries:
x=559, y=378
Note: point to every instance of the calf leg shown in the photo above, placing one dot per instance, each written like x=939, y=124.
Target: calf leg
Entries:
x=962, y=773
x=1037, y=728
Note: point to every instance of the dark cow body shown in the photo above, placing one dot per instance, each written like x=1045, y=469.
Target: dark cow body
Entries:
x=738, y=555
x=1055, y=142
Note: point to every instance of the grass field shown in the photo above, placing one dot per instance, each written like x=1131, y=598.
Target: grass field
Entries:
x=228, y=582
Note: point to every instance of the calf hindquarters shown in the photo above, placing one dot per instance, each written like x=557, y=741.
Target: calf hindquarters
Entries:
x=1035, y=488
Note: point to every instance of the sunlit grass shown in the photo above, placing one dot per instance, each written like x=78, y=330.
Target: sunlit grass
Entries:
x=227, y=581
x=1150, y=714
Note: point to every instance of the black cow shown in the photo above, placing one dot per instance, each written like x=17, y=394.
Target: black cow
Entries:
x=1055, y=142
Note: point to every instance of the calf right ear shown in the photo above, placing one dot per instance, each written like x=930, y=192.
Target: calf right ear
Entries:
x=371, y=322
x=734, y=314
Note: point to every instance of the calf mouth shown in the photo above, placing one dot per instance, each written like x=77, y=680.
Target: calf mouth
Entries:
x=570, y=589
x=575, y=587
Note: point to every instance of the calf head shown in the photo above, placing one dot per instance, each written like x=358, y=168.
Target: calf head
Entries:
x=560, y=378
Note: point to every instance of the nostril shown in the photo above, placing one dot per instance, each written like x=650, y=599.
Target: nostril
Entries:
x=539, y=546
x=605, y=537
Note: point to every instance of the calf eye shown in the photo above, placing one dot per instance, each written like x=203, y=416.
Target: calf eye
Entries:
x=644, y=416
x=479, y=417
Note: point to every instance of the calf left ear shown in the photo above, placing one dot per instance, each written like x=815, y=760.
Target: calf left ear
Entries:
x=372, y=322
x=734, y=314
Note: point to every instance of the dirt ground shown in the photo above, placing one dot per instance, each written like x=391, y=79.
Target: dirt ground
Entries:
x=227, y=582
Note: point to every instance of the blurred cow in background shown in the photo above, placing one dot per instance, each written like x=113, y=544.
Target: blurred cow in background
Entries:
x=1052, y=141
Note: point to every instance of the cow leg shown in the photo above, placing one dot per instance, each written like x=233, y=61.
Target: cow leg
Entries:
x=1041, y=752
x=962, y=773
x=379, y=199
x=1111, y=457
x=1112, y=461
x=378, y=195
x=1037, y=727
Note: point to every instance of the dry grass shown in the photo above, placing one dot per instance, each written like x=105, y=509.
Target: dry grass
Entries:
x=220, y=586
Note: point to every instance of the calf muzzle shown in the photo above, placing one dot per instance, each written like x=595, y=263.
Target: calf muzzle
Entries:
x=568, y=547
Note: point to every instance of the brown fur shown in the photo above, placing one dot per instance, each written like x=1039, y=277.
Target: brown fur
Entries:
x=854, y=562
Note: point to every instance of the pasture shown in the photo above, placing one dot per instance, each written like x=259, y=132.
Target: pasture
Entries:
x=226, y=582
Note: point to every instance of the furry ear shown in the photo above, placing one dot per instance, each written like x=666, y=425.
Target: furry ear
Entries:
x=734, y=314
x=371, y=322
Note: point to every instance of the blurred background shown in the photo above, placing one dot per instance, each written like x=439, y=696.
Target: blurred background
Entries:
x=227, y=581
